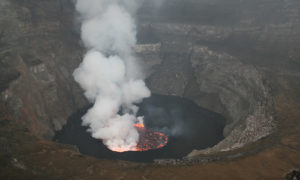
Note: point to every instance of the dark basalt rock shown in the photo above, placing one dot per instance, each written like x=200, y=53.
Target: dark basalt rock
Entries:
x=293, y=175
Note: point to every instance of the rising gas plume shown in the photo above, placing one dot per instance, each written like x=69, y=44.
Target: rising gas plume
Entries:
x=109, y=73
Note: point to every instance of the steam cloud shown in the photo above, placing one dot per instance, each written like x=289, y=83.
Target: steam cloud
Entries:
x=109, y=74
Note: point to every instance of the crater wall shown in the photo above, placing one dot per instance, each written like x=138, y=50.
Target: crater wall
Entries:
x=218, y=54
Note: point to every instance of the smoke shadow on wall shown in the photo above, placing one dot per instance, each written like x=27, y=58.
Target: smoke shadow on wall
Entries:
x=187, y=125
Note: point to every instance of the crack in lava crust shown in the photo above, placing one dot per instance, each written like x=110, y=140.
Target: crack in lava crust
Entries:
x=148, y=140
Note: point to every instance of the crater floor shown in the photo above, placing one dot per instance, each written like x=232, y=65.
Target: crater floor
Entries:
x=187, y=125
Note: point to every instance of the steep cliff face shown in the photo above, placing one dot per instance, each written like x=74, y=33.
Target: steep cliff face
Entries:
x=38, y=53
x=220, y=54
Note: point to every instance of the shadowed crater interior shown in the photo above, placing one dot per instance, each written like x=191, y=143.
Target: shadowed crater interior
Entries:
x=187, y=125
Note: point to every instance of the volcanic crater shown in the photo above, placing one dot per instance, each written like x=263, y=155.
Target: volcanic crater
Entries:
x=186, y=126
x=233, y=62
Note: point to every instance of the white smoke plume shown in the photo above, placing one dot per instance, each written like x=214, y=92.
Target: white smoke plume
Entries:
x=108, y=73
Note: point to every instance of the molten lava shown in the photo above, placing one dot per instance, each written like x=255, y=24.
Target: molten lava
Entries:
x=148, y=139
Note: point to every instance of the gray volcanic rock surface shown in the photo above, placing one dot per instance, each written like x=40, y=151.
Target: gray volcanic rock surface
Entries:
x=38, y=53
x=220, y=54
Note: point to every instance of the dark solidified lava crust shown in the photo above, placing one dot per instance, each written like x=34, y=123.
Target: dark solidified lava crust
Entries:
x=187, y=126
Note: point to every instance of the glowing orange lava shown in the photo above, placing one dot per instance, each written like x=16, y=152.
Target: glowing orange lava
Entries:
x=139, y=125
x=148, y=139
